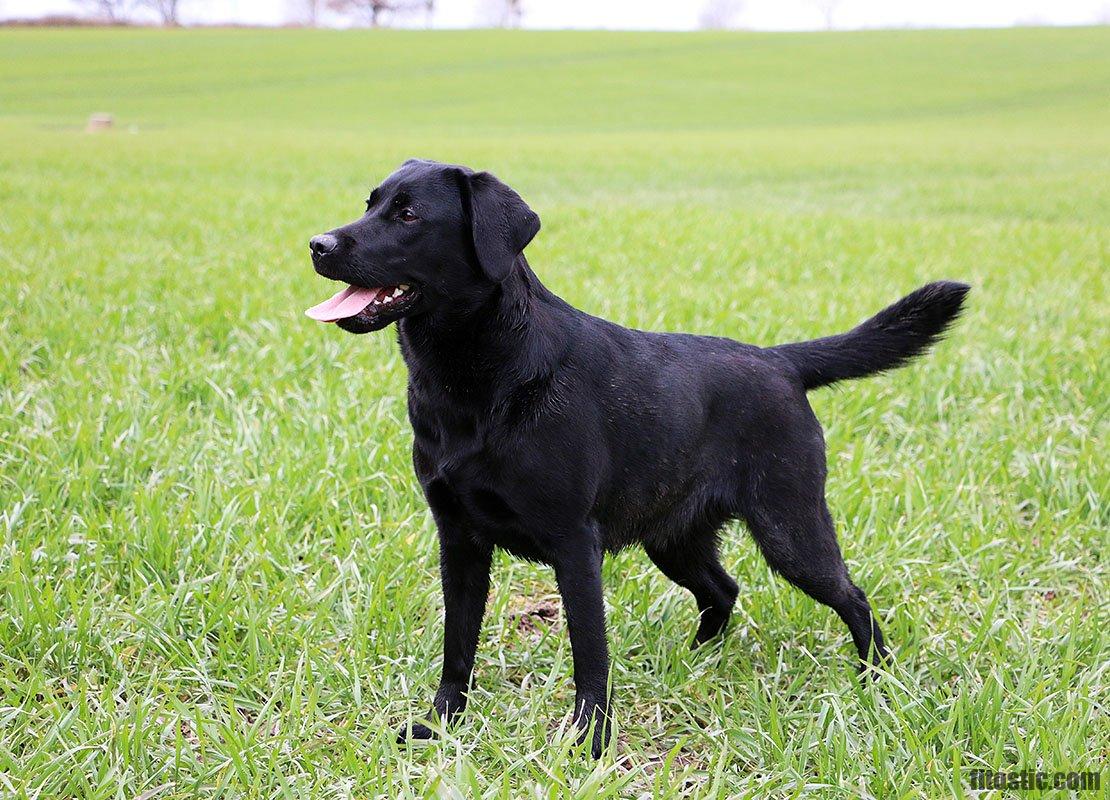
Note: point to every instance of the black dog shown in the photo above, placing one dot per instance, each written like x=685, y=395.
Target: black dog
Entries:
x=559, y=436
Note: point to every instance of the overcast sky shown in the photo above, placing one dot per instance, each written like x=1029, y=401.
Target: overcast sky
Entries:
x=660, y=14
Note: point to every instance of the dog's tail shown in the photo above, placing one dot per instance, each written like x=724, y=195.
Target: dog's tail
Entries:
x=890, y=339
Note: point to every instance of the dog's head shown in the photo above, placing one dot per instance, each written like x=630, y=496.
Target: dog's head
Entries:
x=435, y=237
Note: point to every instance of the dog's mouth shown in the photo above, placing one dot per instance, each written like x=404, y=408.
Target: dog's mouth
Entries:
x=360, y=309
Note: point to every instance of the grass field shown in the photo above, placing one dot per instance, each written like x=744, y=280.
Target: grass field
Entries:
x=217, y=575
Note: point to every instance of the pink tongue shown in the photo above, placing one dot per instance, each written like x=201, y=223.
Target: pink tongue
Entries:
x=343, y=304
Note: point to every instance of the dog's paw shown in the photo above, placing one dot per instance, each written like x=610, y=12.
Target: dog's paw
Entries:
x=871, y=671
x=594, y=725
x=417, y=732
x=711, y=627
x=449, y=703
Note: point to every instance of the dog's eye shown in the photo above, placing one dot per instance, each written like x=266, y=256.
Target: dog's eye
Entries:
x=406, y=215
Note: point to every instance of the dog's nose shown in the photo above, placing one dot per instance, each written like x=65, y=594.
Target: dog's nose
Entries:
x=322, y=244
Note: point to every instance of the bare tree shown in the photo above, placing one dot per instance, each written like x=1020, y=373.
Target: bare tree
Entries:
x=514, y=13
x=828, y=11
x=305, y=12
x=108, y=10
x=719, y=14
x=371, y=11
x=378, y=13
x=168, y=10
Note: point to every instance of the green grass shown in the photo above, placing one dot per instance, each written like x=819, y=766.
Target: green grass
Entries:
x=217, y=574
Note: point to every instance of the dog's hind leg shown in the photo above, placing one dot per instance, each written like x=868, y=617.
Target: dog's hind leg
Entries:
x=692, y=562
x=783, y=502
x=797, y=537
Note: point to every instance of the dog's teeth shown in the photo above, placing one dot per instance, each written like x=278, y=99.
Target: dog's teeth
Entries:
x=404, y=287
x=397, y=292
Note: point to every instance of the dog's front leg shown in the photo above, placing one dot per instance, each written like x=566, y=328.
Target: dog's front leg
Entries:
x=464, y=572
x=577, y=562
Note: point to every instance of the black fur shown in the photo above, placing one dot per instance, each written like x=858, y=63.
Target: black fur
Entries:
x=559, y=436
x=890, y=339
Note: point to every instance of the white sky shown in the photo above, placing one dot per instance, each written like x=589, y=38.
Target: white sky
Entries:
x=660, y=14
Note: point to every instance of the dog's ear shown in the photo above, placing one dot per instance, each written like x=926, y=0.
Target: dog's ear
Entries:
x=501, y=223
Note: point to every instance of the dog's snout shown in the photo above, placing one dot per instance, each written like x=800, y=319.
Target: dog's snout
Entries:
x=322, y=244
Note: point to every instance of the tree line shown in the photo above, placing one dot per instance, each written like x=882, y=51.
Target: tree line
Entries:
x=375, y=13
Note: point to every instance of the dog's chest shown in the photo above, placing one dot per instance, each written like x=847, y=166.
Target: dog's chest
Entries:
x=470, y=480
